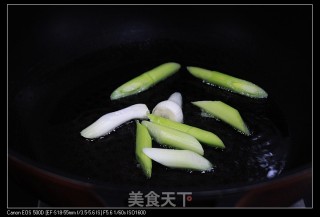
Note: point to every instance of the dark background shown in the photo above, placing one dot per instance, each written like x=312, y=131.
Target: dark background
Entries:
x=44, y=36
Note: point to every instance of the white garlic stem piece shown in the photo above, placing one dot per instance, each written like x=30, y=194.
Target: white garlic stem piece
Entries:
x=110, y=121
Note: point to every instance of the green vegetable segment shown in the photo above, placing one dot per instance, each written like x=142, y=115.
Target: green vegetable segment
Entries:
x=201, y=135
x=143, y=140
x=145, y=80
x=180, y=159
x=228, y=82
x=174, y=138
x=225, y=113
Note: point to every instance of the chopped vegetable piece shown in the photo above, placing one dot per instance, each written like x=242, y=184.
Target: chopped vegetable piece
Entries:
x=201, y=135
x=225, y=113
x=174, y=138
x=143, y=140
x=228, y=82
x=170, y=108
x=110, y=121
x=145, y=80
x=181, y=159
x=177, y=98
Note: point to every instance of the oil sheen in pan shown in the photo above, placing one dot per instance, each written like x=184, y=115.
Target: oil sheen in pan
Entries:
x=112, y=158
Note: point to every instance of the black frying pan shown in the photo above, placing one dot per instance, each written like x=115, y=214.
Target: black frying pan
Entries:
x=52, y=102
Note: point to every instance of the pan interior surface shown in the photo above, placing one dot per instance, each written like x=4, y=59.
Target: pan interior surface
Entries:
x=56, y=105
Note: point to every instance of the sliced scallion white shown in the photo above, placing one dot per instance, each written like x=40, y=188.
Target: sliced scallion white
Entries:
x=177, y=98
x=181, y=159
x=110, y=121
x=170, y=108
